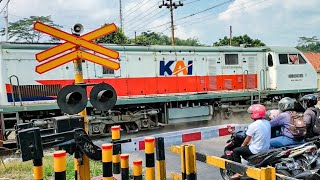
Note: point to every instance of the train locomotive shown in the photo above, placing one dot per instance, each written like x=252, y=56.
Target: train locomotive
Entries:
x=155, y=85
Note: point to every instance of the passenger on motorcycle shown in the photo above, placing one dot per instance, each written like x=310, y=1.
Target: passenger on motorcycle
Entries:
x=258, y=134
x=271, y=114
x=286, y=105
x=309, y=116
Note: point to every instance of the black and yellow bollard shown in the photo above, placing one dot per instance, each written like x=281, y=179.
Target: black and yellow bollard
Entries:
x=107, y=162
x=183, y=162
x=137, y=170
x=115, y=134
x=124, y=166
x=60, y=165
x=37, y=169
x=149, y=151
x=160, y=156
x=190, y=162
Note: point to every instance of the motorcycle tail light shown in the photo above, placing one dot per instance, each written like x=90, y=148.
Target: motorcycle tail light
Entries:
x=228, y=153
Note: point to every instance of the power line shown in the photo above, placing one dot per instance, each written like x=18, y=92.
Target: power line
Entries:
x=5, y=6
x=146, y=21
x=135, y=18
x=197, y=20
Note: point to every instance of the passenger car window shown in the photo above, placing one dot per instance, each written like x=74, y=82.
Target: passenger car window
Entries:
x=302, y=60
x=283, y=58
x=231, y=59
x=106, y=70
x=270, y=61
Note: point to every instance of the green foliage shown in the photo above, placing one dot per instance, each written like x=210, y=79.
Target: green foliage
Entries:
x=311, y=44
x=153, y=38
x=237, y=40
x=117, y=37
x=22, y=30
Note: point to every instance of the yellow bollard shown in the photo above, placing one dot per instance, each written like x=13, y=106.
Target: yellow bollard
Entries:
x=189, y=158
x=60, y=164
x=183, y=162
x=137, y=170
x=160, y=156
x=115, y=135
x=107, y=162
x=37, y=169
x=149, y=151
x=124, y=166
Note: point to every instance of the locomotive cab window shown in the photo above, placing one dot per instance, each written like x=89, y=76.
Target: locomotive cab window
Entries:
x=270, y=61
x=293, y=59
x=302, y=60
x=283, y=58
x=107, y=71
x=231, y=59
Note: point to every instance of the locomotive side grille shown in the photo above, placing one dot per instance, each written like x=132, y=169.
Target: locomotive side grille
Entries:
x=251, y=65
x=212, y=83
x=29, y=91
x=250, y=82
x=212, y=65
x=228, y=84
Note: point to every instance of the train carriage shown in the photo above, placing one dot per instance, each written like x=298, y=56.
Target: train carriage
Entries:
x=155, y=84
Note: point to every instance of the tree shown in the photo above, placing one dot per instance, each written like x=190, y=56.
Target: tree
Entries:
x=22, y=30
x=117, y=37
x=311, y=44
x=237, y=40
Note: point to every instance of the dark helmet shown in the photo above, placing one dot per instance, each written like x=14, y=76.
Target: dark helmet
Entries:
x=286, y=104
x=309, y=100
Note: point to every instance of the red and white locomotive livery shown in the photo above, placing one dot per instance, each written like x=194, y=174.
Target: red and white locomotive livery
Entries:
x=156, y=84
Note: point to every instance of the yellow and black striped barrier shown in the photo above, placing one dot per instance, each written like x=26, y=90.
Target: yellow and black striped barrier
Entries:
x=115, y=135
x=149, y=151
x=137, y=170
x=37, y=169
x=160, y=156
x=107, y=162
x=60, y=164
x=266, y=173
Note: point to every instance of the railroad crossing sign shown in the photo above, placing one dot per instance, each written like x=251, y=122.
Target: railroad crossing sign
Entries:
x=72, y=47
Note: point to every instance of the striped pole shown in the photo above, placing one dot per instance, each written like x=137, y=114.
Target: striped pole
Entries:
x=190, y=172
x=124, y=166
x=37, y=169
x=137, y=170
x=183, y=162
x=194, y=160
x=115, y=134
x=60, y=165
x=149, y=151
x=107, y=162
x=160, y=156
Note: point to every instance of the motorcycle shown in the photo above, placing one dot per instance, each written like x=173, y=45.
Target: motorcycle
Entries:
x=268, y=158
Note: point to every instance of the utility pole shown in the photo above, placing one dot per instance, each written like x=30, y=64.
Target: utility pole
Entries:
x=121, y=18
x=230, y=35
x=170, y=6
x=6, y=18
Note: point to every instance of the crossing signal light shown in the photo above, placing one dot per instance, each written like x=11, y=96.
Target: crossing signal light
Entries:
x=72, y=99
x=103, y=97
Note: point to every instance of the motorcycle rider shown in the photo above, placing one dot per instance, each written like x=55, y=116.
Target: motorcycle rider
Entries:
x=258, y=134
x=309, y=116
x=286, y=105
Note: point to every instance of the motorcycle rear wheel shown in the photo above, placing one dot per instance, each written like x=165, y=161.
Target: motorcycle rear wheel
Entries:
x=226, y=174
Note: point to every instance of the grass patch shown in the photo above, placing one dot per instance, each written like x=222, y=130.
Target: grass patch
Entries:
x=24, y=170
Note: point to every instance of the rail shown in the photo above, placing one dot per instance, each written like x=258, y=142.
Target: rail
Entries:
x=12, y=90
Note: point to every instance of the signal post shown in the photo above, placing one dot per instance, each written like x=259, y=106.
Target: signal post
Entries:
x=75, y=42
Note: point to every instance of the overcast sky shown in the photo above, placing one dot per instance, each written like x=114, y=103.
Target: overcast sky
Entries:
x=275, y=22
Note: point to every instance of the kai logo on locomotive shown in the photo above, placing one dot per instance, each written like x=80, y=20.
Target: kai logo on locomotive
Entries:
x=178, y=67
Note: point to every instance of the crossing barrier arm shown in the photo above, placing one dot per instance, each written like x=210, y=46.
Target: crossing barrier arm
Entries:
x=267, y=173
